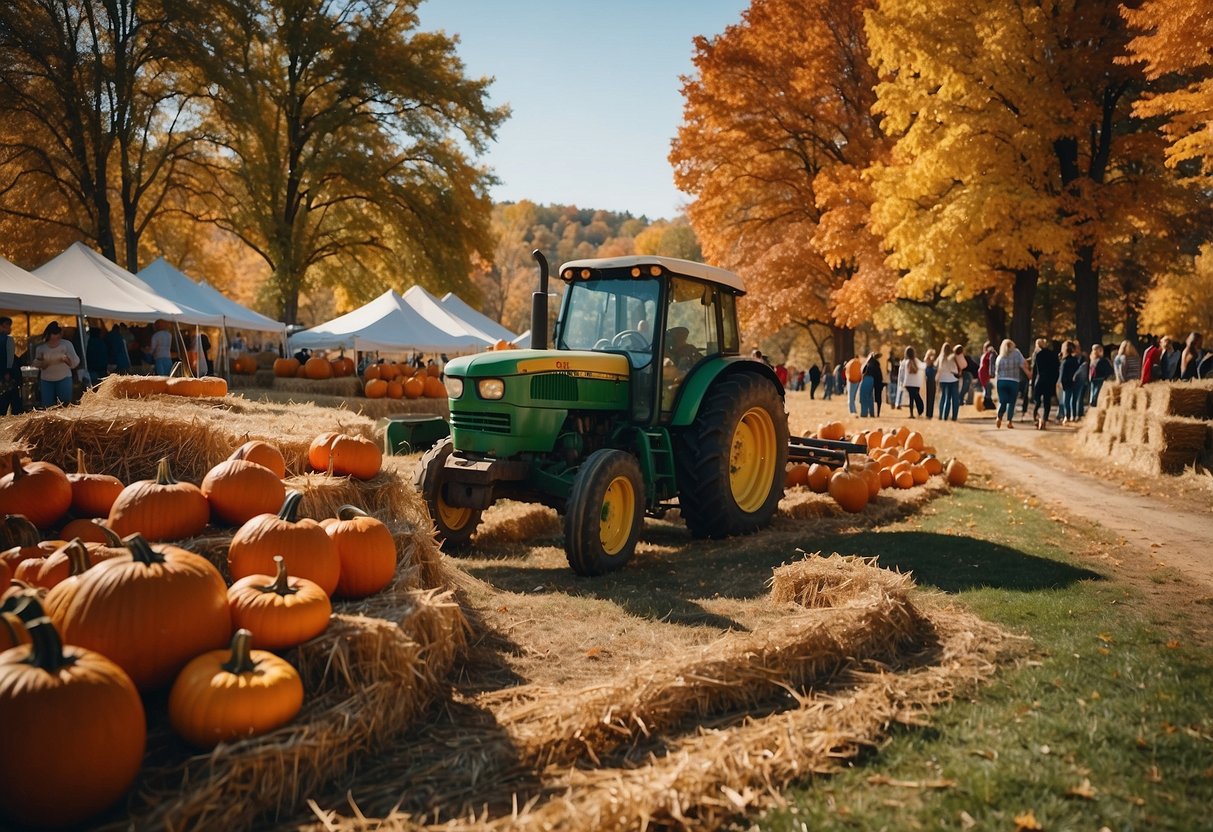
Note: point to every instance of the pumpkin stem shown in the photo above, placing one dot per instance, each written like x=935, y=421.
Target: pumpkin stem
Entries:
x=164, y=474
x=20, y=531
x=141, y=551
x=290, y=507
x=46, y=650
x=77, y=556
x=18, y=471
x=241, y=660
x=348, y=512
x=80, y=469
x=280, y=586
x=111, y=537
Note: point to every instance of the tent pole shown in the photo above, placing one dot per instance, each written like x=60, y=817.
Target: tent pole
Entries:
x=83, y=343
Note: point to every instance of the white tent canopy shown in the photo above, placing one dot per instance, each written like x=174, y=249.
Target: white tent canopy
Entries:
x=460, y=309
x=170, y=282
x=523, y=341
x=109, y=291
x=393, y=324
x=25, y=292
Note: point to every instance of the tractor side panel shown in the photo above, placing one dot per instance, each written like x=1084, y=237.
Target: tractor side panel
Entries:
x=690, y=397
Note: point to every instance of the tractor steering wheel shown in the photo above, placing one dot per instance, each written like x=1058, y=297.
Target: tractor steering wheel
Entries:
x=630, y=336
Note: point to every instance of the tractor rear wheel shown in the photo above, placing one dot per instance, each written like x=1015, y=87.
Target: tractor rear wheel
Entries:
x=605, y=512
x=455, y=524
x=730, y=461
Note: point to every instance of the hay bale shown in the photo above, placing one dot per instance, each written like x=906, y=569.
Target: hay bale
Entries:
x=1176, y=434
x=346, y=387
x=833, y=581
x=387, y=496
x=126, y=437
x=1109, y=395
x=1181, y=398
x=371, y=408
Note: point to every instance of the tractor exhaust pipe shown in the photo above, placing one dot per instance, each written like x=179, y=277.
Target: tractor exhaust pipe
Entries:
x=539, y=305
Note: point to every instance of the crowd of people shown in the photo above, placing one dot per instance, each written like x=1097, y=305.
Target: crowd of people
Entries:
x=1059, y=373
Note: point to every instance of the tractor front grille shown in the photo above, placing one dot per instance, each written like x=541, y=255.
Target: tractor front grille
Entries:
x=486, y=422
x=554, y=387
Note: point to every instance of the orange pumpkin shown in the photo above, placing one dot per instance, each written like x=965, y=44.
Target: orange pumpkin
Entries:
x=406, y=370
x=150, y=611
x=39, y=490
x=908, y=455
x=355, y=456
x=342, y=366
x=286, y=367
x=70, y=559
x=92, y=494
x=308, y=551
x=375, y=389
x=367, y=551
x=78, y=723
x=957, y=472
x=797, y=475
x=371, y=372
x=819, y=478
x=414, y=388
x=849, y=489
x=433, y=370
x=280, y=611
x=871, y=475
x=833, y=431
x=915, y=440
x=903, y=479
x=160, y=509
x=433, y=388
x=919, y=474
x=239, y=490
x=262, y=453
x=395, y=390
x=318, y=451
x=932, y=464
x=301, y=372
x=318, y=368
x=886, y=478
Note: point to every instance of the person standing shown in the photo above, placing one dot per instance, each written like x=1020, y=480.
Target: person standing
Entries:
x=894, y=381
x=1101, y=371
x=56, y=358
x=950, y=369
x=1192, y=356
x=914, y=377
x=1082, y=383
x=1127, y=363
x=814, y=381
x=162, y=349
x=827, y=384
x=1007, y=370
x=878, y=383
x=96, y=354
x=985, y=373
x=929, y=373
x=1046, y=369
x=868, y=395
x=854, y=376
x=1150, y=361
x=118, y=356
x=1169, y=366
x=1069, y=363
x=10, y=370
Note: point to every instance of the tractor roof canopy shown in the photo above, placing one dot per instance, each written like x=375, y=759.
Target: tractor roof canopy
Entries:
x=571, y=269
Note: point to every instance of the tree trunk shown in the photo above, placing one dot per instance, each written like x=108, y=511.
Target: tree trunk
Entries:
x=996, y=323
x=1131, y=323
x=1023, y=297
x=1086, y=298
x=844, y=343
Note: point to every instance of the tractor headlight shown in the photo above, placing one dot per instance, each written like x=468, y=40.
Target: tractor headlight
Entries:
x=490, y=388
x=454, y=387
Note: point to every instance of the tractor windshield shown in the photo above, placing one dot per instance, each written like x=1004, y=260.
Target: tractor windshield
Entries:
x=611, y=314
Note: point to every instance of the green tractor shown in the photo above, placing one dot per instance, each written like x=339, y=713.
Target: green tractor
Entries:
x=643, y=404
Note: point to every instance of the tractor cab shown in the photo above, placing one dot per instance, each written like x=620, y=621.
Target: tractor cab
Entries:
x=665, y=315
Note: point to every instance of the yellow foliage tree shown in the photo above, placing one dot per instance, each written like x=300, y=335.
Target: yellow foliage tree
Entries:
x=1182, y=302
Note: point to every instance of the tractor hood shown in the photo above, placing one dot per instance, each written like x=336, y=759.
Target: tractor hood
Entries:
x=575, y=363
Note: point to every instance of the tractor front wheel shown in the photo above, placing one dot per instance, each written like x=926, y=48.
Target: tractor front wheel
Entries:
x=730, y=461
x=604, y=514
x=455, y=524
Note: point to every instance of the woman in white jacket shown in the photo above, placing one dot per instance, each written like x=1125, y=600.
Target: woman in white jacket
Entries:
x=912, y=379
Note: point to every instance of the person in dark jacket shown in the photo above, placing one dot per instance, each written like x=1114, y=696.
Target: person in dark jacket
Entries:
x=814, y=380
x=96, y=353
x=1046, y=369
x=1101, y=371
x=116, y=353
x=10, y=370
x=1069, y=363
x=873, y=381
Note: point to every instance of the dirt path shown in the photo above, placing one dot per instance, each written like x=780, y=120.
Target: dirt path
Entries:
x=1167, y=532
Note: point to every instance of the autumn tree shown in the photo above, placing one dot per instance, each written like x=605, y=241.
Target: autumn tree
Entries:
x=776, y=132
x=341, y=138
x=1182, y=302
x=101, y=117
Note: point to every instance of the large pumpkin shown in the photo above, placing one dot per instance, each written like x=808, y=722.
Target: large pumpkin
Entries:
x=433, y=388
x=304, y=545
x=957, y=472
x=375, y=388
x=318, y=451
x=286, y=367
x=39, y=490
x=92, y=494
x=73, y=730
x=239, y=490
x=318, y=368
x=414, y=388
x=849, y=489
x=262, y=453
x=235, y=693
x=150, y=612
x=355, y=456
x=395, y=389
x=160, y=509
x=433, y=370
x=281, y=611
x=371, y=372
x=367, y=551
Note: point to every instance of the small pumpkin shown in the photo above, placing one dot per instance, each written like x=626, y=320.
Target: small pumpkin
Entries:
x=92, y=494
x=282, y=611
x=355, y=456
x=367, y=551
x=39, y=490
x=849, y=488
x=886, y=478
x=819, y=478
x=832, y=431
x=797, y=475
x=932, y=464
x=318, y=451
x=318, y=368
x=262, y=453
x=70, y=559
x=371, y=372
x=375, y=389
x=871, y=475
x=903, y=479
x=286, y=367
x=231, y=694
x=73, y=726
x=160, y=509
x=908, y=455
x=88, y=530
x=915, y=440
x=342, y=366
x=150, y=612
x=413, y=388
x=395, y=389
x=919, y=474
x=239, y=490
x=308, y=551
x=433, y=388
x=957, y=472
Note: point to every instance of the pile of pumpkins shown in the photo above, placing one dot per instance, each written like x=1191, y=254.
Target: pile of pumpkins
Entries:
x=111, y=611
x=315, y=368
x=898, y=459
x=140, y=386
x=402, y=381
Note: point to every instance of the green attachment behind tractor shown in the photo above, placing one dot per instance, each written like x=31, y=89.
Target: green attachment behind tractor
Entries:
x=642, y=404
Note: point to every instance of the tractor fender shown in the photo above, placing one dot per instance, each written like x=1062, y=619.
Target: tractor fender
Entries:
x=695, y=388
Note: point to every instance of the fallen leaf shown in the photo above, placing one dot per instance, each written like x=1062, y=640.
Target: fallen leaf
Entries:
x=1084, y=790
x=593, y=652
x=1107, y=638
x=1154, y=775
x=966, y=820
x=1027, y=822
x=1173, y=644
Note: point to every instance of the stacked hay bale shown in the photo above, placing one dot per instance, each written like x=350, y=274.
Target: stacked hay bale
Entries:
x=1158, y=428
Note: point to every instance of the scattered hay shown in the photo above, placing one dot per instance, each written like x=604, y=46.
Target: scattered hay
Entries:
x=387, y=496
x=346, y=386
x=370, y=408
x=126, y=437
x=890, y=505
x=510, y=522
x=833, y=581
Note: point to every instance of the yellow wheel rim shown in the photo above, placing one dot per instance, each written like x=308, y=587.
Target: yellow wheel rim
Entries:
x=618, y=514
x=752, y=459
x=453, y=517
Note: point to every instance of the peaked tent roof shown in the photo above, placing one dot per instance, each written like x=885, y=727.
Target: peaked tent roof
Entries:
x=26, y=292
x=174, y=284
x=391, y=324
x=109, y=291
x=432, y=310
x=460, y=309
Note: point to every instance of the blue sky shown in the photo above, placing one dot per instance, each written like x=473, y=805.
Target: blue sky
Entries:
x=594, y=90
